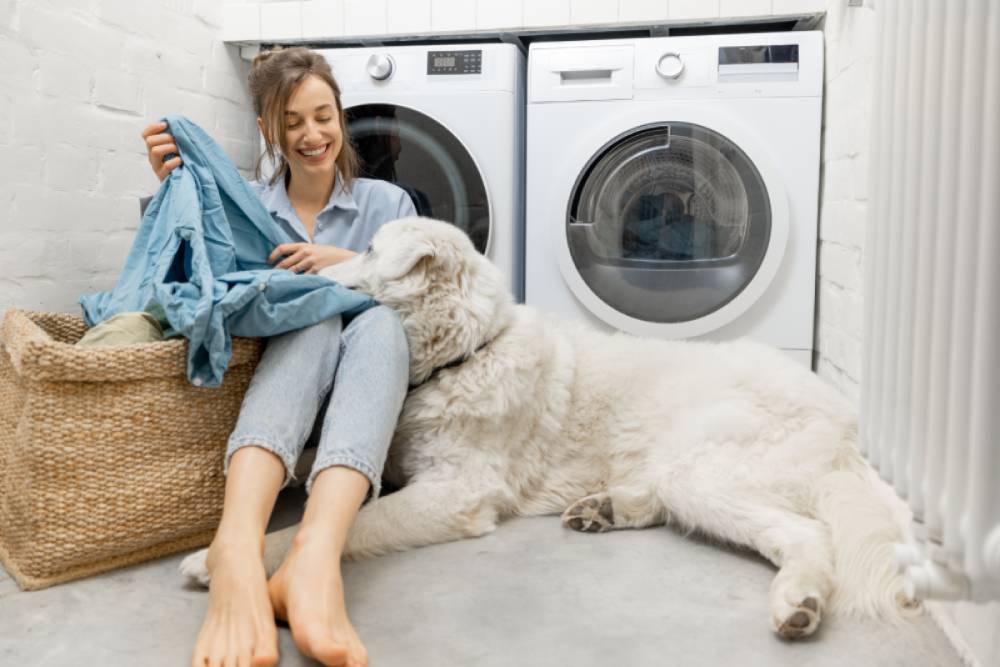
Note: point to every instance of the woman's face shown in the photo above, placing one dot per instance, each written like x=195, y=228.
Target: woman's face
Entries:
x=313, y=137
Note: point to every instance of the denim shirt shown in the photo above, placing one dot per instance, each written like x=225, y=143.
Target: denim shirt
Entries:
x=349, y=219
x=200, y=256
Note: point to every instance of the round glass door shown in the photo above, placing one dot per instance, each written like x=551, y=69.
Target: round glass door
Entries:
x=669, y=222
x=420, y=155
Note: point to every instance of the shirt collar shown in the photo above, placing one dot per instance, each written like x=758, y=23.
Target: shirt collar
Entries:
x=275, y=198
x=341, y=197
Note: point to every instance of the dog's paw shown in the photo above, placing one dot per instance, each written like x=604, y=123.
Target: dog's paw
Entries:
x=798, y=620
x=592, y=514
x=195, y=569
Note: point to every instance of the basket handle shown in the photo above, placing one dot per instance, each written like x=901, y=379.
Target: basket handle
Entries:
x=23, y=338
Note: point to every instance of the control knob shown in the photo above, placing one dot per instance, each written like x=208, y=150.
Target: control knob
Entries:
x=381, y=67
x=670, y=65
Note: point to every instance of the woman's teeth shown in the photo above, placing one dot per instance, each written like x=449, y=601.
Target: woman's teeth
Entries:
x=314, y=153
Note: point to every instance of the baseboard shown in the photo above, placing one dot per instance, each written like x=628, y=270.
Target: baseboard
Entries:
x=943, y=620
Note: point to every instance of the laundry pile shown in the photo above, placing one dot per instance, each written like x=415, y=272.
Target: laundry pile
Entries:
x=198, y=266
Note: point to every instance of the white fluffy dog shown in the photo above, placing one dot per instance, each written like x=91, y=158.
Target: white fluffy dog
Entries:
x=516, y=413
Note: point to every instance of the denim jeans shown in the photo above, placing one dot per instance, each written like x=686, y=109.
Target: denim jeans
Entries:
x=349, y=381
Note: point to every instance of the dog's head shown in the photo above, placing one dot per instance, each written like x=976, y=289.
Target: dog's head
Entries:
x=451, y=299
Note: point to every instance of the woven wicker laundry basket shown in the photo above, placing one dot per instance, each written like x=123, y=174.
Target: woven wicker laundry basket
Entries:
x=108, y=456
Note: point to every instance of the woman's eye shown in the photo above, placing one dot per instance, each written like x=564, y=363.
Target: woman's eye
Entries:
x=292, y=127
x=324, y=120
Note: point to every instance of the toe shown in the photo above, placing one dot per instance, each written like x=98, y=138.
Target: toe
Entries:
x=265, y=653
x=264, y=657
x=358, y=660
x=243, y=657
x=330, y=653
x=315, y=642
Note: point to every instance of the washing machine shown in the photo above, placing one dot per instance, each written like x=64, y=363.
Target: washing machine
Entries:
x=446, y=124
x=672, y=185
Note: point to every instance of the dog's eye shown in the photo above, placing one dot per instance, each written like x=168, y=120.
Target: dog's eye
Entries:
x=370, y=250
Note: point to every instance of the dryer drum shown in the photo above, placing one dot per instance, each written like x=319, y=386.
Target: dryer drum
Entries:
x=669, y=223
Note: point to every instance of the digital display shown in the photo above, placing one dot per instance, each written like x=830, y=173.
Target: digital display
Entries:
x=752, y=55
x=464, y=61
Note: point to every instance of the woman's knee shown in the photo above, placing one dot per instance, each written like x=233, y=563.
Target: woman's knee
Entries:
x=380, y=323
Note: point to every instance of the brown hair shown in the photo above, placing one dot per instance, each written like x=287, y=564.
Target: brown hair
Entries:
x=274, y=76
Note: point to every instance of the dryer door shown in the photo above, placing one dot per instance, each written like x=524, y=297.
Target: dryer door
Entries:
x=672, y=230
x=403, y=146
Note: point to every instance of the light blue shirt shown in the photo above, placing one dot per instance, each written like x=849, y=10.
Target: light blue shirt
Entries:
x=349, y=220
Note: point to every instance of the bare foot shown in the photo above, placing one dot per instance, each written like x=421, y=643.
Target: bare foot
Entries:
x=239, y=625
x=308, y=592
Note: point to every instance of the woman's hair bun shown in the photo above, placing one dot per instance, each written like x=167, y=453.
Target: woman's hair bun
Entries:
x=263, y=56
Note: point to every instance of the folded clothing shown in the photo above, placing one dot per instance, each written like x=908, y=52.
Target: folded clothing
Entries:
x=123, y=329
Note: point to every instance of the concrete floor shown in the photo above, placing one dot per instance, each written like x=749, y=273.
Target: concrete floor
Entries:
x=532, y=593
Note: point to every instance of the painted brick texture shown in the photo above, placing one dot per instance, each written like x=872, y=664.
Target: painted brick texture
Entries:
x=78, y=83
x=849, y=33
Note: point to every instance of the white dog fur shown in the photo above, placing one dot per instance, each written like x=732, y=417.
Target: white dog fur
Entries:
x=544, y=416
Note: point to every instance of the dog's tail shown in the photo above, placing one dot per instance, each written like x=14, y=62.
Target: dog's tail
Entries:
x=866, y=518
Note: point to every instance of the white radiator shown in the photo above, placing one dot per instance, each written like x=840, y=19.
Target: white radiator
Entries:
x=930, y=406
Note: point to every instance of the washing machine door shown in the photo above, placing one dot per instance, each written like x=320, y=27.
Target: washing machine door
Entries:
x=419, y=154
x=673, y=229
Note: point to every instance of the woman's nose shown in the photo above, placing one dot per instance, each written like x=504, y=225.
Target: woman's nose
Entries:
x=312, y=132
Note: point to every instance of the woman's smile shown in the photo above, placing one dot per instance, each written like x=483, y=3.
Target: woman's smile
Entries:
x=315, y=155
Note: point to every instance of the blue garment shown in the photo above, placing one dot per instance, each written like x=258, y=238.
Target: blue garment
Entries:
x=201, y=255
x=350, y=217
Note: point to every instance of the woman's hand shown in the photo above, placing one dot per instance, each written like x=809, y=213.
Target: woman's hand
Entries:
x=308, y=257
x=158, y=144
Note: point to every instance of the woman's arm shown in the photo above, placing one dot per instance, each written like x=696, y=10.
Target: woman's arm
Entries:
x=312, y=257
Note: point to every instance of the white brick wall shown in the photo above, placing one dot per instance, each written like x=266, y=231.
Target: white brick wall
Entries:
x=78, y=83
x=844, y=194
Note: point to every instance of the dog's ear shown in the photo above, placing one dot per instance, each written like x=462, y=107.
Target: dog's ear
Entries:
x=403, y=257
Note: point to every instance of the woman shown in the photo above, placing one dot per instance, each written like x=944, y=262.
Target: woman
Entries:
x=358, y=367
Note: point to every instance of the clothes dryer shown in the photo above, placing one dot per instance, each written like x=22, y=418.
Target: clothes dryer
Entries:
x=672, y=185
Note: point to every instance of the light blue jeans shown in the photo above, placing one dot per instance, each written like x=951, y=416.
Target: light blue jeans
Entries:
x=353, y=378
